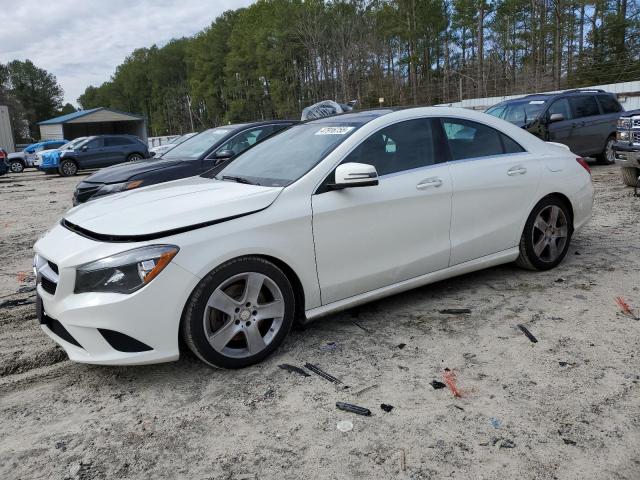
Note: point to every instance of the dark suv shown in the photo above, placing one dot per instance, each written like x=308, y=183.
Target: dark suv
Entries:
x=102, y=151
x=584, y=120
x=212, y=148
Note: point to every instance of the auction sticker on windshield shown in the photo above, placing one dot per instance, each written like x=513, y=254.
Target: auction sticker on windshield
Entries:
x=334, y=130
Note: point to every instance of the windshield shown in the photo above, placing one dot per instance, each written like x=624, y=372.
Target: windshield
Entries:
x=518, y=112
x=284, y=158
x=72, y=143
x=194, y=147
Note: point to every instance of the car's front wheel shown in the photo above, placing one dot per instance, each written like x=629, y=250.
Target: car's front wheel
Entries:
x=134, y=157
x=68, y=168
x=16, y=166
x=239, y=313
x=546, y=236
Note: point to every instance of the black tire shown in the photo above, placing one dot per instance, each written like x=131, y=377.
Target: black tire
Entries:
x=607, y=156
x=630, y=175
x=532, y=237
x=68, y=168
x=16, y=166
x=195, y=327
x=134, y=157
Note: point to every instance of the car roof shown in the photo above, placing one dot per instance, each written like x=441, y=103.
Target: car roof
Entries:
x=549, y=96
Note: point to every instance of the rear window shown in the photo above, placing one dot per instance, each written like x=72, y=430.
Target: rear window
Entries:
x=469, y=139
x=116, y=141
x=609, y=104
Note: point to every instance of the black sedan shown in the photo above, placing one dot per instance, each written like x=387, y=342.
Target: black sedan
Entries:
x=194, y=156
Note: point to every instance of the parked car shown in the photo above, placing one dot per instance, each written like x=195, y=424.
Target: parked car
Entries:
x=162, y=149
x=324, y=216
x=192, y=157
x=627, y=147
x=49, y=160
x=18, y=161
x=102, y=151
x=584, y=120
x=4, y=168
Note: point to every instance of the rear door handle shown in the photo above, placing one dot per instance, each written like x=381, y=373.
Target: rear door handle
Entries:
x=429, y=183
x=517, y=170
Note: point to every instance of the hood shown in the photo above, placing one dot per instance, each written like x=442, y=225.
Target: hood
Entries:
x=15, y=155
x=170, y=206
x=125, y=171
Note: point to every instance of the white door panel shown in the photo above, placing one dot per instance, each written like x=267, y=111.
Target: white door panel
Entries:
x=491, y=199
x=371, y=237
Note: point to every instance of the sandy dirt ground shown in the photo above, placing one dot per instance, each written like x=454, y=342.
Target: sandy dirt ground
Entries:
x=566, y=407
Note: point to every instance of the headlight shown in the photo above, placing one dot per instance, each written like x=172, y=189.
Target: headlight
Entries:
x=624, y=123
x=124, y=272
x=623, y=136
x=117, y=187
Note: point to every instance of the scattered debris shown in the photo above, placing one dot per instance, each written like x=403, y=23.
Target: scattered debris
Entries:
x=568, y=441
x=495, y=423
x=458, y=407
x=348, y=407
x=329, y=347
x=529, y=335
x=449, y=377
x=294, y=369
x=580, y=297
x=503, y=443
x=360, y=326
x=437, y=385
x=344, y=426
x=366, y=389
x=577, y=253
x=403, y=460
x=626, y=309
x=455, y=311
x=559, y=280
x=321, y=373
x=386, y=408
x=15, y=303
x=401, y=345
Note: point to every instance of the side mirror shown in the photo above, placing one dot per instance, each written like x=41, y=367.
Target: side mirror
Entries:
x=354, y=175
x=224, y=154
x=152, y=154
x=556, y=117
x=84, y=148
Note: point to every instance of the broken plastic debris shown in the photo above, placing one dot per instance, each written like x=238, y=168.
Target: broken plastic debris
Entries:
x=455, y=311
x=626, y=309
x=321, y=373
x=386, y=408
x=294, y=369
x=495, y=423
x=349, y=407
x=402, y=345
x=329, y=346
x=437, y=385
x=528, y=333
x=449, y=377
x=345, y=426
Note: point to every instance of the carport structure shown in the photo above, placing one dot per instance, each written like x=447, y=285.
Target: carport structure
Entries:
x=96, y=121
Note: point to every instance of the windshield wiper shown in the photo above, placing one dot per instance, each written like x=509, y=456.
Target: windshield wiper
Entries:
x=239, y=179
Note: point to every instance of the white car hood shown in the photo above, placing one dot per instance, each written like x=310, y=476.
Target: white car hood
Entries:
x=167, y=207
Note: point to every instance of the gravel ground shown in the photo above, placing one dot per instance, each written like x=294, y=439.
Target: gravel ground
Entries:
x=566, y=407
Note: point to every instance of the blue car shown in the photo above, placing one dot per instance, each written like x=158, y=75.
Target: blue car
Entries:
x=50, y=160
x=18, y=161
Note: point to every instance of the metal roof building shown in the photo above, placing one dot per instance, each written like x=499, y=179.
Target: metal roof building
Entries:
x=96, y=121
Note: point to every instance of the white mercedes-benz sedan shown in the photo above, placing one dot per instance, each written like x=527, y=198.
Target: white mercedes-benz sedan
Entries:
x=327, y=215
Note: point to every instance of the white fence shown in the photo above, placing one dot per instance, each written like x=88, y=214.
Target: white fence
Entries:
x=628, y=94
x=157, y=141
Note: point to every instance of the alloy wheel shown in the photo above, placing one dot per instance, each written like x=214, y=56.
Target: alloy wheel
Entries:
x=16, y=167
x=550, y=233
x=135, y=158
x=609, y=153
x=243, y=315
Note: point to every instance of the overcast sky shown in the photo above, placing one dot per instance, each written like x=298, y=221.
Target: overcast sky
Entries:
x=82, y=41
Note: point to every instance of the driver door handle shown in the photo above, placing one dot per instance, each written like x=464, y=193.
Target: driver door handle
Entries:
x=429, y=183
x=517, y=170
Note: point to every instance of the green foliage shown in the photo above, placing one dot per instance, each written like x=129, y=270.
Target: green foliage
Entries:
x=275, y=57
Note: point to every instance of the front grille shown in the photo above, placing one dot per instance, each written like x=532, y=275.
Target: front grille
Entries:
x=84, y=193
x=636, y=137
x=53, y=267
x=48, y=286
x=636, y=122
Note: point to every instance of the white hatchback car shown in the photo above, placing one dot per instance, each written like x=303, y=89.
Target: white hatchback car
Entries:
x=326, y=215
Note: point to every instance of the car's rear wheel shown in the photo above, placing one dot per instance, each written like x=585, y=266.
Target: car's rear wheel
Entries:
x=630, y=175
x=134, y=157
x=68, y=168
x=546, y=236
x=239, y=313
x=608, y=156
x=16, y=166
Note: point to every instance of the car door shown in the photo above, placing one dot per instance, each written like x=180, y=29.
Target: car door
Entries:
x=370, y=237
x=494, y=180
x=589, y=125
x=91, y=154
x=115, y=149
x=561, y=131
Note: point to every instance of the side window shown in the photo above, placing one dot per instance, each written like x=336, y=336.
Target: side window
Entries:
x=609, y=104
x=116, y=141
x=584, y=106
x=244, y=140
x=95, y=143
x=560, y=106
x=399, y=147
x=469, y=139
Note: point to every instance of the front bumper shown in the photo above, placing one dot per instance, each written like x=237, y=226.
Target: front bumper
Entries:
x=627, y=155
x=108, y=328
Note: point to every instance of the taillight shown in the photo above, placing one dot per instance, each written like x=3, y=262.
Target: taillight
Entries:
x=2, y=155
x=584, y=164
